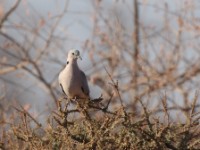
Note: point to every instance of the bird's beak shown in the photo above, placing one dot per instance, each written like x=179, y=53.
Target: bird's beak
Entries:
x=77, y=54
x=80, y=57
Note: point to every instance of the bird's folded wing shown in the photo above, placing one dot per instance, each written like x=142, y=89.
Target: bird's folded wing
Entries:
x=84, y=87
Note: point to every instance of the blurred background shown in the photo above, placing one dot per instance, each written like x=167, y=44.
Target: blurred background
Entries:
x=151, y=49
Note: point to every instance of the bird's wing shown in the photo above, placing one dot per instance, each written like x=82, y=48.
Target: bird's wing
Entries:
x=61, y=82
x=84, y=86
x=62, y=89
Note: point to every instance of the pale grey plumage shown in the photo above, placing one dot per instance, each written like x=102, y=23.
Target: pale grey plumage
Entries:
x=71, y=79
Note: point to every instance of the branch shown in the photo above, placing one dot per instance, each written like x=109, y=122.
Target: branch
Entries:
x=5, y=17
x=136, y=41
x=13, y=68
x=28, y=114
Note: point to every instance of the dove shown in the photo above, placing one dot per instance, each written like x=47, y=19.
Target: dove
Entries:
x=72, y=79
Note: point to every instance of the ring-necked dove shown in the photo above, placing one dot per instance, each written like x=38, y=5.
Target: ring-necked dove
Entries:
x=73, y=80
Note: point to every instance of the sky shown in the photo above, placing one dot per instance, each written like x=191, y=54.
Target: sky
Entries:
x=77, y=24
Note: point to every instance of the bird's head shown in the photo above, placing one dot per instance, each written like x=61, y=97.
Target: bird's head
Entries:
x=73, y=55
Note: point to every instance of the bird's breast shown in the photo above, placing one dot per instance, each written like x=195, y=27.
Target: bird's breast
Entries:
x=70, y=78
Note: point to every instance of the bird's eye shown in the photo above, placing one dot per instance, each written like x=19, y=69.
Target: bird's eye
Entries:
x=72, y=53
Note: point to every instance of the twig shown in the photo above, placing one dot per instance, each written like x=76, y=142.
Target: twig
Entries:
x=5, y=17
x=115, y=85
x=136, y=42
x=28, y=114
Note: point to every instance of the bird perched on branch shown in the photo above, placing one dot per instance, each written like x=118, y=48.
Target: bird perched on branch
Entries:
x=72, y=80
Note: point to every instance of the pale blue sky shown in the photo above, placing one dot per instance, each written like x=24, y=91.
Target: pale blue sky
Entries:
x=77, y=23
